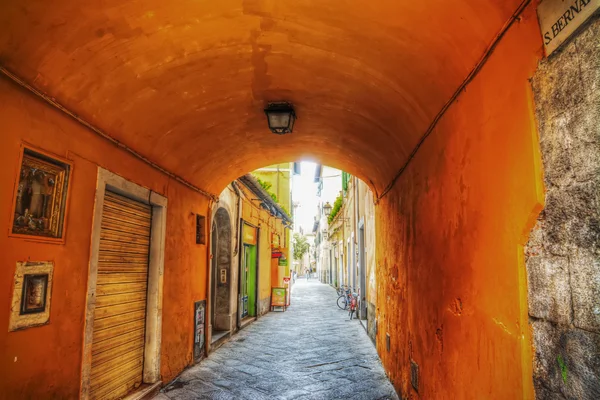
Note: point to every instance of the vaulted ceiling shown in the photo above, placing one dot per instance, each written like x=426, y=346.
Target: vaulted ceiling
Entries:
x=185, y=82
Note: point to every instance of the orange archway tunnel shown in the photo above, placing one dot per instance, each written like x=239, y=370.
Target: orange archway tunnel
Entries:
x=427, y=102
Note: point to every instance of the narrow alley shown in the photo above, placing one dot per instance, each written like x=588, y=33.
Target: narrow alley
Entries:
x=311, y=351
x=167, y=169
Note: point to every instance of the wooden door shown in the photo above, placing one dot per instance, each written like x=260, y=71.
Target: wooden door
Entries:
x=121, y=289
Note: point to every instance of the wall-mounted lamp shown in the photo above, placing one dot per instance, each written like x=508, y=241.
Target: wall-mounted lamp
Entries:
x=281, y=117
x=327, y=209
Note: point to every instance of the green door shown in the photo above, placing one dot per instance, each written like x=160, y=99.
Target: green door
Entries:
x=251, y=279
x=248, y=282
x=244, y=284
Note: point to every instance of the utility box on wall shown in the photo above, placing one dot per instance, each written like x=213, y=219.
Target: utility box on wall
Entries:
x=222, y=277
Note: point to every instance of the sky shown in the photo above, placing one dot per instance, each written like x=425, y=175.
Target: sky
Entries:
x=304, y=191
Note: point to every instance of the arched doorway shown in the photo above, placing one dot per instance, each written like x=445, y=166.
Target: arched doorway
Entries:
x=221, y=274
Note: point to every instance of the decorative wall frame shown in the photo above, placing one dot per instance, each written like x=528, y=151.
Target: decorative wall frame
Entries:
x=40, y=197
x=32, y=294
x=33, y=298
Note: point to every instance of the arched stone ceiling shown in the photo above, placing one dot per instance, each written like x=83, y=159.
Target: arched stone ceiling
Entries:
x=184, y=82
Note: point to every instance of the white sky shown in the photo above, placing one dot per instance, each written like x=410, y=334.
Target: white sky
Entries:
x=304, y=191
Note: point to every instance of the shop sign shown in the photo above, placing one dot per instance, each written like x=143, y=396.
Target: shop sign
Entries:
x=276, y=254
x=249, y=234
x=283, y=262
x=560, y=18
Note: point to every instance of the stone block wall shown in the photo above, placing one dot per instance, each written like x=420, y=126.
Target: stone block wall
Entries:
x=372, y=322
x=563, y=254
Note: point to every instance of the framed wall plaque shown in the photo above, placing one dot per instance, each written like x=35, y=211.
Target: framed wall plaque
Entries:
x=33, y=298
x=32, y=293
x=40, y=200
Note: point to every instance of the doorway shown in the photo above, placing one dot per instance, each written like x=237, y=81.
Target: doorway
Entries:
x=248, y=274
x=362, y=270
x=349, y=265
x=354, y=265
x=341, y=263
x=336, y=277
x=221, y=273
x=249, y=281
x=330, y=269
x=122, y=333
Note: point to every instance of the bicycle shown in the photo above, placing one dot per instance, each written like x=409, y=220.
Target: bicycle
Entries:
x=341, y=291
x=353, y=304
x=345, y=297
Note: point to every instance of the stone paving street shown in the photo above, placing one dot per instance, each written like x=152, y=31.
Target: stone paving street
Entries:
x=312, y=351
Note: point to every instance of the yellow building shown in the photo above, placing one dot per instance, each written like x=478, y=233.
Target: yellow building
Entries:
x=351, y=245
x=248, y=256
x=279, y=176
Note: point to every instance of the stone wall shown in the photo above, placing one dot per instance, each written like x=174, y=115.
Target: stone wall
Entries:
x=563, y=261
x=372, y=322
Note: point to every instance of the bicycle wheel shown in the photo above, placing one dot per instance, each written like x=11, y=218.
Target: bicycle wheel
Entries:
x=342, y=302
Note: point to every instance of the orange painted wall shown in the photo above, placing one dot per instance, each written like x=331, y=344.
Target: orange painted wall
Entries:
x=451, y=286
x=44, y=362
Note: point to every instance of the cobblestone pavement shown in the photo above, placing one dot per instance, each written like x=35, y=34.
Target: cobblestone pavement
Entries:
x=311, y=351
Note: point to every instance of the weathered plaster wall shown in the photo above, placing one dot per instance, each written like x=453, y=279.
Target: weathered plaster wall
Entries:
x=371, y=262
x=451, y=282
x=44, y=362
x=563, y=254
x=265, y=273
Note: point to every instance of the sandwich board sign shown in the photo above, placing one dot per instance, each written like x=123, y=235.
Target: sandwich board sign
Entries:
x=278, y=297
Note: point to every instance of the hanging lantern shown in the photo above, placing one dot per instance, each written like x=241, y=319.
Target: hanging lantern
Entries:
x=281, y=117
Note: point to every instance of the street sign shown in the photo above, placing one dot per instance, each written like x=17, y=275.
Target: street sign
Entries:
x=560, y=18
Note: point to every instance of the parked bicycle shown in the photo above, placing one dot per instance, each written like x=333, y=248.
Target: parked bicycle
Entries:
x=346, y=297
x=353, y=304
x=341, y=291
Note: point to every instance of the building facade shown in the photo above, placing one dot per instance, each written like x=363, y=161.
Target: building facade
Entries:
x=249, y=253
x=346, y=245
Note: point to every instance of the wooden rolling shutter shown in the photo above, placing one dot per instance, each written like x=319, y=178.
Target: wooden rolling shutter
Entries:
x=120, y=314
